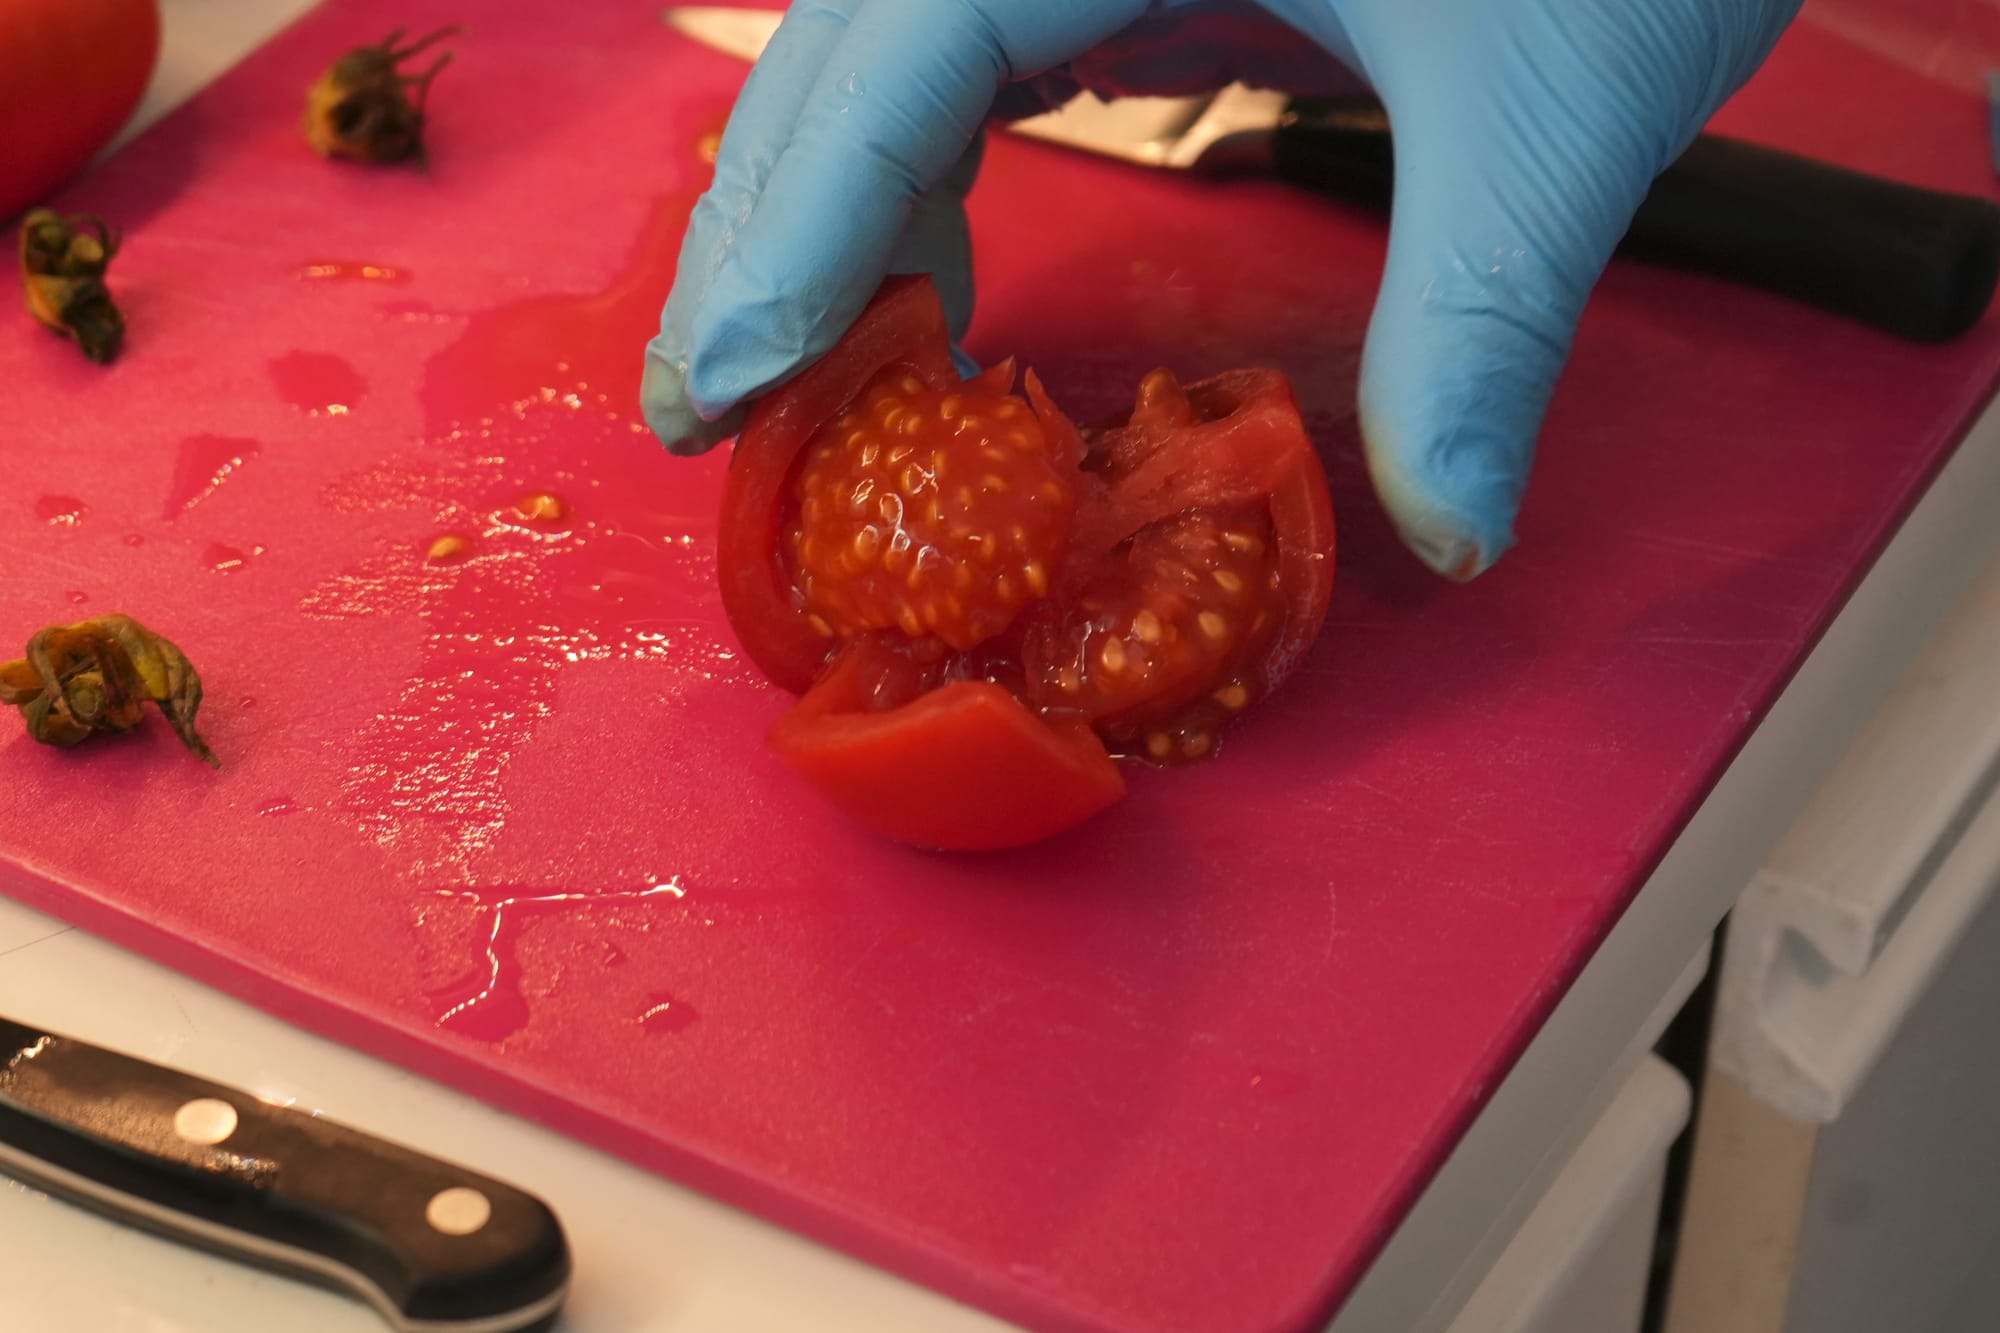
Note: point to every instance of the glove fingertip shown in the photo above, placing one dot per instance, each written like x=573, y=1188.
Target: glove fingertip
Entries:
x=1450, y=473
x=672, y=416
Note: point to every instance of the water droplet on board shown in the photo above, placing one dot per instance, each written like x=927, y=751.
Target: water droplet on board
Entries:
x=224, y=559
x=487, y=1003
x=62, y=511
x=278, y=805
x=512, y=441
x=318, y=383
x=664, y=1014
x=205, y=463
x=134, y=539
x=77, y=598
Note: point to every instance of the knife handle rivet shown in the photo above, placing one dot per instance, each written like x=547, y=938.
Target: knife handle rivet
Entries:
x=205, y=1120
x=458, y=1211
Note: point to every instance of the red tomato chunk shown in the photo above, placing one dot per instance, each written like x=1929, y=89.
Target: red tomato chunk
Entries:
x=976, y=600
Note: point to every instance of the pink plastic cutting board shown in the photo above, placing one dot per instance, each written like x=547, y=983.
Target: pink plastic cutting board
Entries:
x=511, y=821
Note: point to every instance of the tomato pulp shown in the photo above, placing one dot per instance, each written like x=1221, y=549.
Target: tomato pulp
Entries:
x=980, y=604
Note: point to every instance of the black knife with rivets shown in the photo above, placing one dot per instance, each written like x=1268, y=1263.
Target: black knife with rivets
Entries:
x=432, y=1246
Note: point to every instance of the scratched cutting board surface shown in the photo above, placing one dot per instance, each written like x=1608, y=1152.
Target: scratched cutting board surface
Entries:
x=510, y=820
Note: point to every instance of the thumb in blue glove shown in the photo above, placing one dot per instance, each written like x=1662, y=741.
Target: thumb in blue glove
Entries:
x=1527, y=133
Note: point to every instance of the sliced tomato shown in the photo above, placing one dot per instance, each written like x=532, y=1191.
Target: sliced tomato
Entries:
x=975, y=597
x=960, y=767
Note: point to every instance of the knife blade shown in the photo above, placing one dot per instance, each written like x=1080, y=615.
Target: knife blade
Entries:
x=433, y=1247
x=1914, y=262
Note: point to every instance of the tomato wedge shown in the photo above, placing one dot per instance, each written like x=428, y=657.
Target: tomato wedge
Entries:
x=963, y=766
x=981, y=603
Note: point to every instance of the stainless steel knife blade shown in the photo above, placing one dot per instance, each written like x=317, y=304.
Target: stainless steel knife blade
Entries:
x=1215, y=129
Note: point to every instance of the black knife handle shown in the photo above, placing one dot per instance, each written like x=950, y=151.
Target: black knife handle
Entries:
x=435, y=1248
x=1917, y=263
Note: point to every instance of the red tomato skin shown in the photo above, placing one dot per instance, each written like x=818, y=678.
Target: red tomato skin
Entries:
x=905, y=323
x=71, y=74
x=964, y=768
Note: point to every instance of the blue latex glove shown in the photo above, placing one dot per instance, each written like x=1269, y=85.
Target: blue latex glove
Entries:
x=1527, y=133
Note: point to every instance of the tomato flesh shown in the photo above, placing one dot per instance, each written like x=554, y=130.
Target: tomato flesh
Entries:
x=976, y=599
x=938, y=514
x=1165, y=638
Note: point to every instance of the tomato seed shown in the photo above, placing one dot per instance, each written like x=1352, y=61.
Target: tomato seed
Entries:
x=875, y=535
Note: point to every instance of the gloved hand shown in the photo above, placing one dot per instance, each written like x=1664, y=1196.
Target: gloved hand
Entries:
x=1527, y=133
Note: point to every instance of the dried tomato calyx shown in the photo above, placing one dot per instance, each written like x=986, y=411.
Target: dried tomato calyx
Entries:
x=940, y=514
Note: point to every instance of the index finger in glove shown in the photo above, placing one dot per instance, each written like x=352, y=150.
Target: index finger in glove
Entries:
x=898, y=101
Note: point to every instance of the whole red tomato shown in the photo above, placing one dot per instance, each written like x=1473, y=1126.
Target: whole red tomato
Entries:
x=71, y=74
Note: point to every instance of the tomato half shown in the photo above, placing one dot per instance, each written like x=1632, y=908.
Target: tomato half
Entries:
x=981, y=603
x=71, y=74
